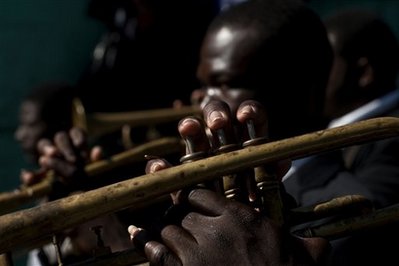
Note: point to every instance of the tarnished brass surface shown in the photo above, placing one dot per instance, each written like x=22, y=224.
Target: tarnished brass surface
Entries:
x=351, y=225
x=345, y=205
x=100, y=123
x=23, y=226
x=12, y=200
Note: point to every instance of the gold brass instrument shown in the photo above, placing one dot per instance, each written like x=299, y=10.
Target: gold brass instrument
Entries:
x=334, y=230
x=99, y=123
x=12, y=200
x=27, y=226
x=360, y=223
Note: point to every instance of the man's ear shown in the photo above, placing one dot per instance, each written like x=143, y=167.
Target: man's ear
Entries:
x=366, y=72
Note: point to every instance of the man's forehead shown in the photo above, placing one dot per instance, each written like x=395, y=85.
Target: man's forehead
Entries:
x=29, y=106
x=229, y=39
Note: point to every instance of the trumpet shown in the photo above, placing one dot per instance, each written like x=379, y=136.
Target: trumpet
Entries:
x=12, y=200
x=100, y=123
x=336, y=229
x=26, y=226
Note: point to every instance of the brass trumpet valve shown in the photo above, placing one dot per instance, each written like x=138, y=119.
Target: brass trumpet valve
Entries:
x=270, y=194
x=191, y=153
x=269, y=191
x=232, y=184
x=194, y=153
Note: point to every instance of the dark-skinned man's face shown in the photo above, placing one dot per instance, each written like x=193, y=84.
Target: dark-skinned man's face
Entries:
x=223, y=64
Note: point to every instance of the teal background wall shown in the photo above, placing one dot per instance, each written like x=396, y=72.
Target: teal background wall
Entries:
x=42, y=40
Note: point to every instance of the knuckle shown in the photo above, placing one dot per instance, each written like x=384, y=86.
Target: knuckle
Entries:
x=159, y=254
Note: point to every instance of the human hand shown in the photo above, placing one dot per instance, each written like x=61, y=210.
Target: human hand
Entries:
x=219, y=231
x=67, y=154
x=214, y=230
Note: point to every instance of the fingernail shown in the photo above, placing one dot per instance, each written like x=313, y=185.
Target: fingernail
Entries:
x=50, y=150
x=156, y=167
x=131, y=229
x=215, y=116
x=43, y=160
x=248, y=109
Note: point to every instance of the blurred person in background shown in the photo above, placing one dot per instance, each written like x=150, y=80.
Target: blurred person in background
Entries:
x=362, y=85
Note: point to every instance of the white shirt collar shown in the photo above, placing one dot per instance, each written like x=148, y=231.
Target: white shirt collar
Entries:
x=374, y=108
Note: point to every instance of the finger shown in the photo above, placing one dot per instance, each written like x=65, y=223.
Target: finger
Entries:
x=65, y=146
x=177, y=239
x=139, y=237
x=156, y=253
x=192, y=130
x=195, y=224
x=46, y=147
x=26, y=177
x=159, y=254
x=155, y=165
x=29, y=178
x=96, y=154
x=253, y=116
x=78, y=137
x=217, y=115
x=207, y=201
x=198, y=146
x=218, y=118
x=63, y=169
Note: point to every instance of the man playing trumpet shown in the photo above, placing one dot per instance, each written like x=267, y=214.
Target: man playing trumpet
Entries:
x=277, y=53
x=216, y=231
x=257, y=70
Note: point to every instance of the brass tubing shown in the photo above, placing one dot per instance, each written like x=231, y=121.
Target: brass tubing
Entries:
x=99, y=123
x=349, y=226
x=145, y=117
x=345, y=205
x=20, y=227
x=102, y=123
x=12, y=200
x=159, y=147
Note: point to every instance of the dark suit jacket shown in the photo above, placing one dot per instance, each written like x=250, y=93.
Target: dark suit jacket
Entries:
x=371, y=171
